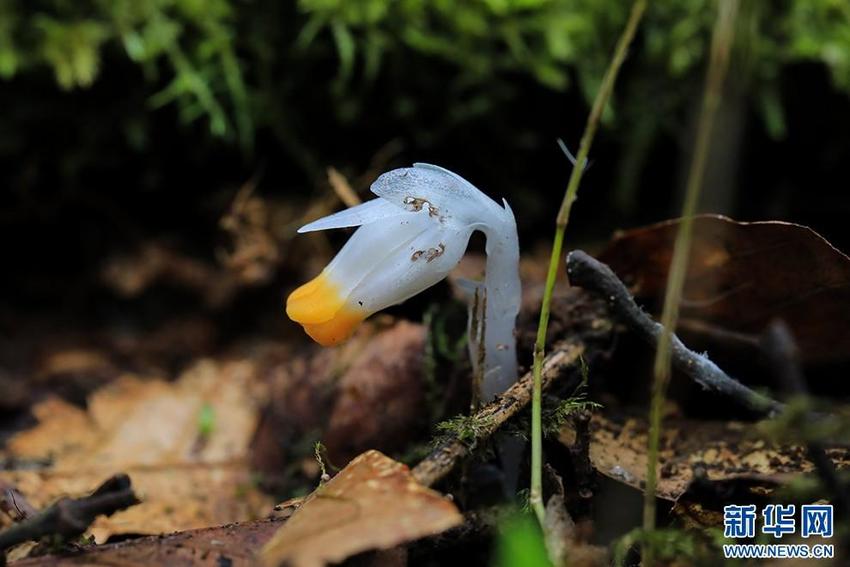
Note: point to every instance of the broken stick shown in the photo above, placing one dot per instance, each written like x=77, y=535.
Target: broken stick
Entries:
x=444, y=458
x=70, y=517
x=596, y=277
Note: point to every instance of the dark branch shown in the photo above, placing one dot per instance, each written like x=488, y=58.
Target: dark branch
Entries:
x=782, y=354
x=594, y=276
x=70, y=517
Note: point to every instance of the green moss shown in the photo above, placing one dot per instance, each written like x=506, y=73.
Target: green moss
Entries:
x=555, y=418
x=216, y=60
x=466, y=428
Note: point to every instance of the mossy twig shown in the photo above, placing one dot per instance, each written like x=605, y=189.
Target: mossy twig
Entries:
x=491, y=417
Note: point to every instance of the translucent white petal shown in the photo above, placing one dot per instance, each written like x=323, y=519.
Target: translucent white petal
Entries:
x=412, y=268
x=370, y=245
x=368, y=212
x=448, y=197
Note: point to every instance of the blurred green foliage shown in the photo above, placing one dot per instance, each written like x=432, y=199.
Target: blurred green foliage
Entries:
x=186, y=45
x=520, y=543
x=209, y=57
x=697, y=548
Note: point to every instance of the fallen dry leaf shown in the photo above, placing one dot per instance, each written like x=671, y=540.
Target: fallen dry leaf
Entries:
x=188, y=475
x=232, y=545
x=743, y=275
x=373, y=503
x=366, y=394
x=724, y=450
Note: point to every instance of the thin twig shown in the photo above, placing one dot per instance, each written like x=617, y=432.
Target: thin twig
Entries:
x=580, y=452
x=477, y=328
x=718, y=335
x=13, y=503
x=339, y=183
x=594, y=276
x=70, y=517
x=783, y=356
x=721, y=46
x=605, y=90
x=491, y=417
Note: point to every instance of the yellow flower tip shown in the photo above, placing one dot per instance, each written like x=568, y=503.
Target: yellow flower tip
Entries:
x=338, y=329
x=321, y=309
x=317, y=301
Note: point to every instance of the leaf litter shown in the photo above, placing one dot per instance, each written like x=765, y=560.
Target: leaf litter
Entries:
x=716, y=451
x=189, y=475
x=186, y=444
x=373, y=503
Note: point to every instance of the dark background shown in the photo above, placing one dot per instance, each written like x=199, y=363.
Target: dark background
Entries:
x=91, y=171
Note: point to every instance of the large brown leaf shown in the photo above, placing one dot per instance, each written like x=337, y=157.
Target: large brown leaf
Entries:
x=742, y=275
x=373, y=503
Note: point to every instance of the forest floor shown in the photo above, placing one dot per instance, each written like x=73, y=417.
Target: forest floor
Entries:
x=172, y=446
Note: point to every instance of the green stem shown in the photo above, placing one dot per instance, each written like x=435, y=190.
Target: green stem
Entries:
x=721, y=46
x=605, y=89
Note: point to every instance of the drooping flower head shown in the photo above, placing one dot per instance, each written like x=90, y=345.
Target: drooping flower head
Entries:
x=408, y=239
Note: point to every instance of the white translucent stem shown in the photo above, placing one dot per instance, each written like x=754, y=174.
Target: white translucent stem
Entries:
x=503, y=292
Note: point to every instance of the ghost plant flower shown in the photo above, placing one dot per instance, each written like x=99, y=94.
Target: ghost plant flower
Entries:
x=408, y=239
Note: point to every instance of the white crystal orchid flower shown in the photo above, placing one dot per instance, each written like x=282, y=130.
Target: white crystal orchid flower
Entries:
x=408, y=239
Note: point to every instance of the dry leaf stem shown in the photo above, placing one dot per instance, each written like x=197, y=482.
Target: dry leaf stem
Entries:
x=594, y=276
x=605, y=89
x=721, y=46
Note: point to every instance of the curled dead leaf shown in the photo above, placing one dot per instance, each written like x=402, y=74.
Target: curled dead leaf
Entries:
x=373, y=503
